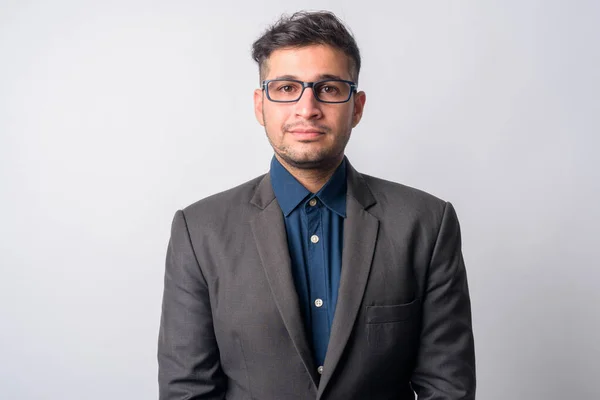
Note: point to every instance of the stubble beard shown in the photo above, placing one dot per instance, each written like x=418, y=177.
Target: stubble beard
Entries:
x=319, y=159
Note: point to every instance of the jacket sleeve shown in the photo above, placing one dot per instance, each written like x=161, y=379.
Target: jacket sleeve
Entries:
x=445, y=368
x=188, y=357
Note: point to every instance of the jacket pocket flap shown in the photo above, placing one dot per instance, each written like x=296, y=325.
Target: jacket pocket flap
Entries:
x=393, y=313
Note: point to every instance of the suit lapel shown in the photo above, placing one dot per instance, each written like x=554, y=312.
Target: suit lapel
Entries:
x=360, y=236
x=268, y=229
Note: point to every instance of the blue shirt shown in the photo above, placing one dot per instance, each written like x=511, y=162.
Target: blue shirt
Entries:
x=314, y=224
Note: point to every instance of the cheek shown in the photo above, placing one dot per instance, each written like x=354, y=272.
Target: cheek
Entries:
x=275, y=117
x=344, y=119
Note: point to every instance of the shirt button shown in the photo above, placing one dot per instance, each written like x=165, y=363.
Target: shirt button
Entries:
x=312, y=202
x=318, y=302
x=320, y=370
x=314, y=238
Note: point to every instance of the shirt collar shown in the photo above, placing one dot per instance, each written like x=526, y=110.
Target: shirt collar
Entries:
x=290, y=193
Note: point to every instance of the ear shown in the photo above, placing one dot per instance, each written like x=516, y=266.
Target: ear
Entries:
x=359, y=105
x=258, y=106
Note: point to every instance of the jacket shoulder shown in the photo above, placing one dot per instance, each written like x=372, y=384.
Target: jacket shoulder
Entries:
x=229, y=202
x=397, y=198
x=382, y=187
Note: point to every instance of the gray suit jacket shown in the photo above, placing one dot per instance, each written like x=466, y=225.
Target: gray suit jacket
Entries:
x=231, y=324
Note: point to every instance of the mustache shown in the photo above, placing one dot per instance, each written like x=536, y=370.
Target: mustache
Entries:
x=321, y=128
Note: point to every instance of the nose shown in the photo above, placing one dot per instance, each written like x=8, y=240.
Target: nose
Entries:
x=307, y=106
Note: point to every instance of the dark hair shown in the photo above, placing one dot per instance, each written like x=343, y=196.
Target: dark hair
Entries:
x=305, y=28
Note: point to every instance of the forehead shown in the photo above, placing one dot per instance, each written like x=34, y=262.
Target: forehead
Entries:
x=308, y=62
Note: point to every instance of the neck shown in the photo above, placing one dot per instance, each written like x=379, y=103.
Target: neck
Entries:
x=312, y=179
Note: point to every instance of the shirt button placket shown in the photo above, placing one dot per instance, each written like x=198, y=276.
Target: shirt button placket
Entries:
x=317, y=274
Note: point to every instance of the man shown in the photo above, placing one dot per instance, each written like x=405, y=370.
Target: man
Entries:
x=315, y=281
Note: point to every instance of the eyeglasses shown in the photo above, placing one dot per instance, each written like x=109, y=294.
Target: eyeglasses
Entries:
x=325, y=91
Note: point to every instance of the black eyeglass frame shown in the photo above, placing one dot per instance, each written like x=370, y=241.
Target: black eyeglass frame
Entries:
x=265, y=87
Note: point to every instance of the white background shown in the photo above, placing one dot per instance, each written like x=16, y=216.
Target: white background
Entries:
x=115, y=114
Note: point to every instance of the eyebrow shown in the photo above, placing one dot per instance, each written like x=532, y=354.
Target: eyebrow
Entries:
x=319, y=77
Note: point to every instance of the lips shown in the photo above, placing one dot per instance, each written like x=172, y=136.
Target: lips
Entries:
x=305, y=131
x=306, y=134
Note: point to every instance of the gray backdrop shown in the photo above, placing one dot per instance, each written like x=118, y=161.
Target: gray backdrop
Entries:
x=114, y=114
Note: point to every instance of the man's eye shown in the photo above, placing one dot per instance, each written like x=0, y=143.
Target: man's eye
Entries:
x=329, y=89
x=286, y=88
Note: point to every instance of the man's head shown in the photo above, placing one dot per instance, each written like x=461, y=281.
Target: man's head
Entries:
x=308, y=47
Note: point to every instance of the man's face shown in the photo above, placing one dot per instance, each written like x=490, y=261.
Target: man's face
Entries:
x=308, y=134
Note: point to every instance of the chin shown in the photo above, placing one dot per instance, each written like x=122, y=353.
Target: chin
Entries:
x=308, y=160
